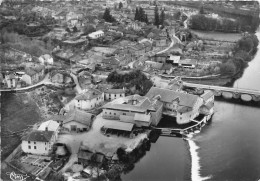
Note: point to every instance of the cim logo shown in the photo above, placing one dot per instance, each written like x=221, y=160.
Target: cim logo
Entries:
x=17, y=177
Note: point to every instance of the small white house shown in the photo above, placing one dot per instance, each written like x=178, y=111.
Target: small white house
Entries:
x=46, y=59
x=96, y=34
x=89, y=99
x=111, y=94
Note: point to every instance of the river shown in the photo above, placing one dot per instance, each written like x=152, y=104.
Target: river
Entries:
x=226, y=149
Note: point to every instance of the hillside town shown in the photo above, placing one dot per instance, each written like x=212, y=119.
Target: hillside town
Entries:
x=93, y=81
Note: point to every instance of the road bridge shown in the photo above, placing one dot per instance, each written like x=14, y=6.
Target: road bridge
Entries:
x=227, y=92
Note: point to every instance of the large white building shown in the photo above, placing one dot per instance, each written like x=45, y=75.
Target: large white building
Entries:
x=96, y=34
x=136, y=110
x=185, y=107
x=89, y=99
x=40, y=142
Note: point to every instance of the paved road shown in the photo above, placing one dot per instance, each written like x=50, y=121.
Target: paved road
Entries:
x=174, y=40
x=45, y=81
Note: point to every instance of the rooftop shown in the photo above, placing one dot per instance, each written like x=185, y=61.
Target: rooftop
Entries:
x=114, y=91
x=169, y=96
x=41, y=136
x=88, y=95
x=50, y=125
x=119, y=125
x=77, y=116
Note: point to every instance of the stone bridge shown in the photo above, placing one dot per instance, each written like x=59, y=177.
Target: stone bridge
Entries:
x=228, y=92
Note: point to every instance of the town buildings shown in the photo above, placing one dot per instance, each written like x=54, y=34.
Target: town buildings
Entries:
x=89, y=99
x=111, y=94
x=136, y=110
x=75, y=120
x=183, y=106
x=96, y=34
x=40, y=141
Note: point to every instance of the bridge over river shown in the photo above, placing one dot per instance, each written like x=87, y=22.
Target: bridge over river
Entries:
x=228, y=92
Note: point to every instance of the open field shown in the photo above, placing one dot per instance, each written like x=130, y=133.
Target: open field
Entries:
x=231, y=37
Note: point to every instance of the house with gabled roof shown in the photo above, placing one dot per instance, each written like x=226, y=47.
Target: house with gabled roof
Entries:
x=40, y=141
x=208, y=103
x=185, y=107
x=75, y=120
x=89, y=99
x=111, y=94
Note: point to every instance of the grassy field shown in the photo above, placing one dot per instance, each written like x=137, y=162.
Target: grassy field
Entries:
x=232, y=37
x=18, y=113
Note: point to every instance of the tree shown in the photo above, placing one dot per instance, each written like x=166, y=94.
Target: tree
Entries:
x=246, y=44
x=243, y=55
x=136, y=13
x=201, y=11
x=156, y=17
x=120, y=5
x=177, y=15
x=68, y=30
x=228, y=68
x=108, y=17
x=75, y=29
x=162, y=18
x=146, y=19
x=89, y=29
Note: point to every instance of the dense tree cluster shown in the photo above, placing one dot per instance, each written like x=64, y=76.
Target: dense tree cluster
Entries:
x=248, y=43
x=158, y=19
x=202, y=22
x=140, y=15
x=134, y=78
x=228, y=68
x=108, y=17
x=245, y=48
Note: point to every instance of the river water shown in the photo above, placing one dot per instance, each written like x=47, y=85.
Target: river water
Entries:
x=226, y=149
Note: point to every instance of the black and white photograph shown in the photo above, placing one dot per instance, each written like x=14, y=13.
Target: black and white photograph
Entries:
x=130, y=90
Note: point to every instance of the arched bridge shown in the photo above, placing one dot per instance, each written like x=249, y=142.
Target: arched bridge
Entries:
x=228, y=92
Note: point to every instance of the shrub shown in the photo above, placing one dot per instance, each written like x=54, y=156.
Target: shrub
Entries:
x=228, y=68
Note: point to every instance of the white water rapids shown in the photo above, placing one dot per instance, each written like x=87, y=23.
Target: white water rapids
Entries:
x=195, y=161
